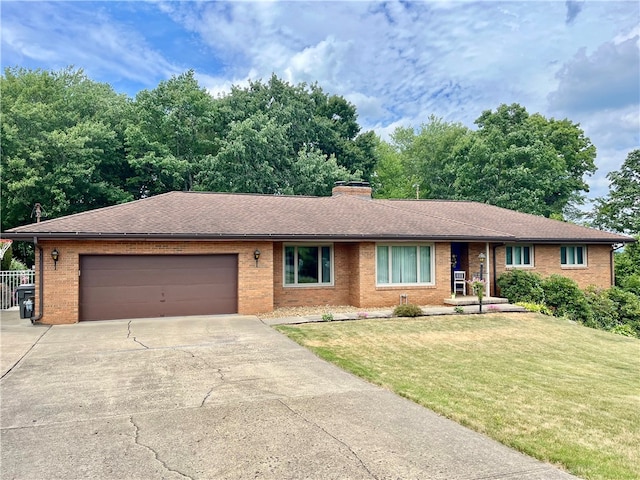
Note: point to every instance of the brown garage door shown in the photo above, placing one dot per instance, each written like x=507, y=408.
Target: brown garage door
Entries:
x=149, y=286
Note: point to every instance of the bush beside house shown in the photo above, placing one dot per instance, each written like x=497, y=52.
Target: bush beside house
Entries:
x=613, y=309
x=407, y=310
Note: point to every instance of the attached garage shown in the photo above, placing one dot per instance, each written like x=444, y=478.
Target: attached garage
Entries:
x=149, y=286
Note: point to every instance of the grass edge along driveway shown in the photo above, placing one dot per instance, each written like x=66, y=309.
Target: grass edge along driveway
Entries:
x=560, y=392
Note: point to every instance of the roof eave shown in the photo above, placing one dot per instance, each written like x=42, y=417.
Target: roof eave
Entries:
x=29, y=236
x=238, y=236
x=603, y=241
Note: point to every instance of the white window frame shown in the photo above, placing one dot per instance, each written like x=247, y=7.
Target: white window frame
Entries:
x=574, y=247
x=519, y=265
x=432, y=265
x=307, y=285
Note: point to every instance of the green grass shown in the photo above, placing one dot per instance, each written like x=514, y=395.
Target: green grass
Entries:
x=558, y=391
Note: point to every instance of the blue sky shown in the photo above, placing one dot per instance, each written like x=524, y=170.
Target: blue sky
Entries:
x=397, y=61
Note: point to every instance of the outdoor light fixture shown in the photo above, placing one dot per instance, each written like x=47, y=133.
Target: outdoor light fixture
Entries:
x=454, y=260
x=55, y=255
x=481, y=257
x=256, y=255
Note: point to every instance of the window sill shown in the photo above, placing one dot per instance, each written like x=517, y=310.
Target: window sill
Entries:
x=404, y=286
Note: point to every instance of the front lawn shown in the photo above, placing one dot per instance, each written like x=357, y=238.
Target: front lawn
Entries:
x=560, y=392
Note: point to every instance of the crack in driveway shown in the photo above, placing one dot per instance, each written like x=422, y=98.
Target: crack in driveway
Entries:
x=206, y=397
x=25, y=353
x=310, y=422
x=137, y=442
x=134, y=338
x=217, y=370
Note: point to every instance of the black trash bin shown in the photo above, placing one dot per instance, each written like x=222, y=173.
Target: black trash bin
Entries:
x=26, y=299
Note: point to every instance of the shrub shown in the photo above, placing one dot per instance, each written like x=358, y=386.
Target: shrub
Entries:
x=521, y=286
x=17, y=265
x=407, y=310
x=536, y=307
x=627, y=306
x=604, y=312
x=563, y=296
x=327, y=317
x=632, y=284
x=478, y=288
x=625, y=330
x=458, y=309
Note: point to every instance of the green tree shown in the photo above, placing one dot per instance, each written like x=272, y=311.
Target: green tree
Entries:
x=420, y=161
x=620, y=209
x=390, y=179
x=311, y=119
x=174, y=128
x=61, y=140
x=72, y=144
x=513, y=160
x=254, y=157
x=316, y=174
x=525, y=162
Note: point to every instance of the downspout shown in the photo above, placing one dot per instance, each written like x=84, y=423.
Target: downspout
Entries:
x=40, y=280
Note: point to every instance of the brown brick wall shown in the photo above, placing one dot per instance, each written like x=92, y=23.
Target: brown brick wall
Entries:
x=337, y=294
x=353, y=266
x=373, y=296
x=62, y=285
x=546, y=259
x=355, y=281
x=352, y=190
x=261, y=288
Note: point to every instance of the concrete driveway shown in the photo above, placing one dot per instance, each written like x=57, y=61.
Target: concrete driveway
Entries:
x=215, y=398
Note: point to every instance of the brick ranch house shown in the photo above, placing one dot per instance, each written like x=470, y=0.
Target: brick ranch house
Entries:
x=193, y=253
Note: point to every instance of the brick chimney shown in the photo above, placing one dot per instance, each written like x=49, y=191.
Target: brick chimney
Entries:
x=357, y=189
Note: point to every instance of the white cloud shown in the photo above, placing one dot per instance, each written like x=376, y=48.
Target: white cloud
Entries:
x=368, y=107
x=69, y=36
x=609, y=78
x=219, y=86
x=323, y=62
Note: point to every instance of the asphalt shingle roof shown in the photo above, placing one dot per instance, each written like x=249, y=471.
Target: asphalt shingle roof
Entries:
x=349, y=217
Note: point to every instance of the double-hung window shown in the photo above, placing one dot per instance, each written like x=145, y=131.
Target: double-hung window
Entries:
x=519, y=256
x=573, y=255
x=308, y=265
x=404, y=264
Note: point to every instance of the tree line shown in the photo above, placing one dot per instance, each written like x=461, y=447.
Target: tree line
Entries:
x=73, y=144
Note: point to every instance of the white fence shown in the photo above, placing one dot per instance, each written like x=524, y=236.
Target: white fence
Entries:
x=9, y=282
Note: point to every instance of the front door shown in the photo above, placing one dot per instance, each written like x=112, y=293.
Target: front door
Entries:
x=459, y=259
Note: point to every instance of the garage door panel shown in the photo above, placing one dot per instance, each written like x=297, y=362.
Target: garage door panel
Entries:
x=144, y=286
